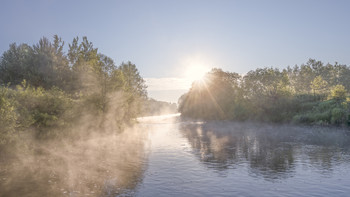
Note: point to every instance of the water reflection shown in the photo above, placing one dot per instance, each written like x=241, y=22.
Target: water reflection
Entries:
x=268, y=151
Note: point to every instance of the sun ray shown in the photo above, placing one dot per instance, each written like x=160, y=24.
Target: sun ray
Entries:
x=214, y=100
x=195, y=72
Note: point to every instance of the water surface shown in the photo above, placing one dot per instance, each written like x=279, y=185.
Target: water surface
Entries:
x=167, y=156
x=243, y=159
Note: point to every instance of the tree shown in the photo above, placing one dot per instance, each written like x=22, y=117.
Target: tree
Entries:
x=212, y=98
x=127, y=78
x=50, y=66
x=44, y=64
x=15, y=64
x=318, y=85
x=132, y=82
x=338, y=92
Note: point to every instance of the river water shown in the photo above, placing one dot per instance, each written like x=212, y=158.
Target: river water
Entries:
x=168, y=156
x=242, y=159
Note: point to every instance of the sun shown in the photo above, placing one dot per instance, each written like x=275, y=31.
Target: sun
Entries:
x=196, y=72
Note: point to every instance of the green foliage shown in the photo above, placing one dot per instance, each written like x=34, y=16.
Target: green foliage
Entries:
x=326, y=112
x=43, y=64
x=296, y=94
x=42, y=108
x=8, y=117
x=49, y=89
x=338, y=116
x=15, y=64
x=318, y=85
x=338, y=92
x=212, y=98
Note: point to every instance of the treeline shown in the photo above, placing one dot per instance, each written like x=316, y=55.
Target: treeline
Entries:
x=313, y=93
x=48, y=91
x=152, y=107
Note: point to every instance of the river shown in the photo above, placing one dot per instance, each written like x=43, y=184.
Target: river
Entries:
x=169, y=156
x=242, y=159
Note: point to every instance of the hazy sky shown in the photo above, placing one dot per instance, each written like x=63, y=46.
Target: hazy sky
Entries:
x=164, y=37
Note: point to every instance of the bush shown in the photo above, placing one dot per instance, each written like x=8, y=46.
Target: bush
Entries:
x=338, y=116
x=42, y=109
x=8, y=117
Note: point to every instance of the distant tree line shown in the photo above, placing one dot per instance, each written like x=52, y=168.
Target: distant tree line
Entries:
x=313, y=93
x=46, y=89
x=152, y=107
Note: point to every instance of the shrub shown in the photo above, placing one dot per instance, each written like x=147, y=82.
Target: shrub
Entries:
x=43, y=109
x=338, y=116
x=8, y=117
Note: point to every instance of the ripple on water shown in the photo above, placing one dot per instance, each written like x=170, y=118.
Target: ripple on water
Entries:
x=237, y=159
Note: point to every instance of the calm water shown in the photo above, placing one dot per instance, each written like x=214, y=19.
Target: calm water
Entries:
x=241, y=159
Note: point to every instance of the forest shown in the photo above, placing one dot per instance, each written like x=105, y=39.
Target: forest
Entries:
x=313, y=93
x=46, y=91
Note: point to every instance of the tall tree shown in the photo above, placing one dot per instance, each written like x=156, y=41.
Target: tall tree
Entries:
x=318, y=85
x=15, y=64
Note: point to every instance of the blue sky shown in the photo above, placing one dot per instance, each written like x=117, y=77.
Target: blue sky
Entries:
x=164, y=37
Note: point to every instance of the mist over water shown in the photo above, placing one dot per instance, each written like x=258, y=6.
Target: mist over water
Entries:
x=168, y=156
x=97, y=157
x=101, y=165
x=245, y=159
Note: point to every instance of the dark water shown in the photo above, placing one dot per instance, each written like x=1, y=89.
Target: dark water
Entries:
x=241, y=159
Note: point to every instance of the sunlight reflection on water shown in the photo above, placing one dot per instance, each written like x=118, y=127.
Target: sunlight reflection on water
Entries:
x=241, y=159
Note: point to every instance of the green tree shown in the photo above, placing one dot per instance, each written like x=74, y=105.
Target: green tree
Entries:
x=212, y=98
x=338, y=92
x=318, y=85
x=50, y=66
x=133, y=82
x=43, y=65
x=128, y=78
x=15, y=64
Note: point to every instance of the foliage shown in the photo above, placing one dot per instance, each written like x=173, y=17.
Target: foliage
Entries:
x=212, y=98
x=153, y=107
x=296, y=94
x=338, y=92
x=48, y=90
x=42, y=108
x=318, y=85
x=326, y=112
x=8, y=117
x=43, y=64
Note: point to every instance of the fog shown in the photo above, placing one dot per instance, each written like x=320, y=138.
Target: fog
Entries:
x=97, y=156
x=271, y=150
x=101, y=160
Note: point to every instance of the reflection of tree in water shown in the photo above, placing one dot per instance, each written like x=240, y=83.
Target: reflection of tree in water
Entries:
x=324, y=158
x=271, y=158
x=214, y=147
x=269, y=151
